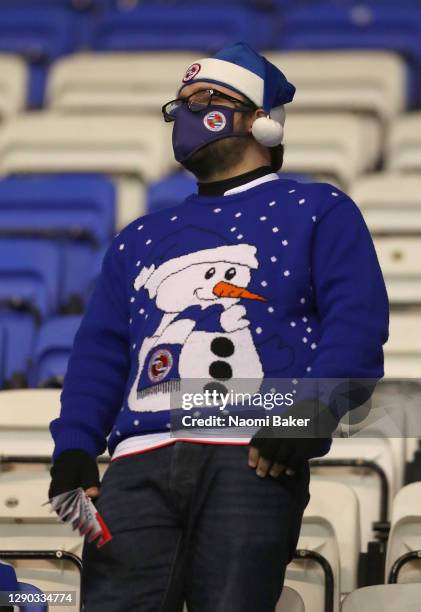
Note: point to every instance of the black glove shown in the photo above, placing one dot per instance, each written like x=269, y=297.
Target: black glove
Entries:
x=72, y=469
x=277, y=444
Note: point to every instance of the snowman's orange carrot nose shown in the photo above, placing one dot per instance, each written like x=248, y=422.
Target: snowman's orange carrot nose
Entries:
x=223, y=289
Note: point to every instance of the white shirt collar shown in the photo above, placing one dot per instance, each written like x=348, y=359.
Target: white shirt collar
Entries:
x=262, y=179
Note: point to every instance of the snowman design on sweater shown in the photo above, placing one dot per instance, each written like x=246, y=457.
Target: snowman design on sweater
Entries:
x=204, y=331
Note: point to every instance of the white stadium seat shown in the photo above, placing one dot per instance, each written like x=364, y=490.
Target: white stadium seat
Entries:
x=405, y=531
x=371, y=82
x=403, y=349
x=338, y=146
x=24, y=419
x=400, y=260
x=384, y=597
x=331, y=527
x=137, y=83
x=27, y=524
x=364, y=483
x=403, y=153
x=13, y=83
x=391, y=203
x=133, y=149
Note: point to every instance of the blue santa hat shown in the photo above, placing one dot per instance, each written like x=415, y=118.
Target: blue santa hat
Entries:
x=245, y=71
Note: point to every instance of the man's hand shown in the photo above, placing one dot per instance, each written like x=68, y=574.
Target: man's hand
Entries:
x=72, y=469
x=274, y=451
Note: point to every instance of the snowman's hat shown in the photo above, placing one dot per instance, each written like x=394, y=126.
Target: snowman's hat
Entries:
x=173, y=254
x=245, y=71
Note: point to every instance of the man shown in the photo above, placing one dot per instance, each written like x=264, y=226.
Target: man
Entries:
x=252, y=279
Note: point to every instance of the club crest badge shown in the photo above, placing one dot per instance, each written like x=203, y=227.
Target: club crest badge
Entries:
x=191, y=72
x=160, y=365
x=215, y=121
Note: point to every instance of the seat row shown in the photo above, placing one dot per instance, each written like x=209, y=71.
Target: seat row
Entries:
x=333, y=538
x=40, y=32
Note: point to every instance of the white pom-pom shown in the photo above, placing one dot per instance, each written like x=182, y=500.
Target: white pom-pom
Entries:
x=267, y=131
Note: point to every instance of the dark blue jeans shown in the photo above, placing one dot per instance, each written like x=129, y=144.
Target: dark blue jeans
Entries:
x=193, y=523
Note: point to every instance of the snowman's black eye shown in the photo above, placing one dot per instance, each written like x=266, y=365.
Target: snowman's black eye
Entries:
x=229, y=274
x=210, y=273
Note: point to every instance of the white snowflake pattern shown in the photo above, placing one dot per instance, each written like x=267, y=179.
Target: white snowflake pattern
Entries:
x=274, y=259
x=264, y=283
x=139, y=227
x=141, y=311
x=302, y=300
x=263, y=218
x=335, y=194
x=287, y=273
x=313, y=346
x=136, y=422
x=304, y=319
x=293, y=324
x=275, y=229
x=259, y=330
x=148, y=241
x=132, y=299
x=291, y=191
x=174, y=218
x=305, y=340
x=240, y=236
x=138, y=263
x=309, y=330
x=237, y=215
x=233, y=229
x=284, y=242
x=270, y=309
x=121, y=247
x=302, y=201
x=216, y=210
x=272, y=203
x=308, y=369
x=314, y=218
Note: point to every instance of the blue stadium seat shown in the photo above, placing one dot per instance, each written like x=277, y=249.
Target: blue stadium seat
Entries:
x=29, y=285
x=52, y=350
x=77, y=212
x=9, y=583
x=170, y=191
x=40, y=35
x=202, y=28
x=363, y=26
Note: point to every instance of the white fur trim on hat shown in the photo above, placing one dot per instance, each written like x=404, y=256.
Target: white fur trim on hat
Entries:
x=211, y=69
x=151, y=278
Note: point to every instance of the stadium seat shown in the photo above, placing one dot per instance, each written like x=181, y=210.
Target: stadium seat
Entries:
x=159, y=28
x=400, y=260
x=29, y=525
x=170, y=191
x=360, y=26
x=132, y=83
x=331, y=527
x=365, y=483
x=385, y=597
x=337, y=147
x=405, y=531
x=39, y=35
x=403, y=349
x=53, y=345
x=76, y=212
x=403, y=153
x=29, y=283
x=391, y=203
x=132, y=149
x=369, y=82
x=24, y=419
x=13, y=76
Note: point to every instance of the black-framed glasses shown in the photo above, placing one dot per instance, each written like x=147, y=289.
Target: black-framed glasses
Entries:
x=202, y=99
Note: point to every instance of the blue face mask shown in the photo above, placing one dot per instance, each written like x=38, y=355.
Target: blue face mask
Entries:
x=194, y=130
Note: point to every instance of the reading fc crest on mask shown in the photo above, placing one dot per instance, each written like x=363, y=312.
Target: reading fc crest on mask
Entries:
x=160, y=364
x=191, y=72
x=215, y=121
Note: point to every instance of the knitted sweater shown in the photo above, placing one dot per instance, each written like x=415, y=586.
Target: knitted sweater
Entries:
x=280, y=280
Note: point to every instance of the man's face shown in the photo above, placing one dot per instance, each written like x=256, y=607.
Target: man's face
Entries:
x=222, y=154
